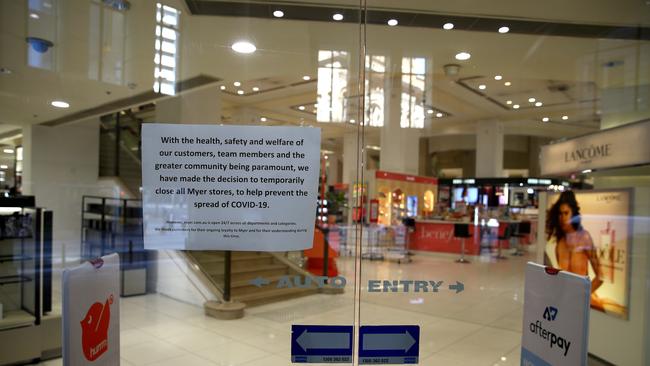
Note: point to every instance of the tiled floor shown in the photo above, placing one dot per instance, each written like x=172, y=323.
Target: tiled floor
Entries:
x=479, y=326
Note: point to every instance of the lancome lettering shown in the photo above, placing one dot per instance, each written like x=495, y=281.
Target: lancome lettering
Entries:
x=588, y=153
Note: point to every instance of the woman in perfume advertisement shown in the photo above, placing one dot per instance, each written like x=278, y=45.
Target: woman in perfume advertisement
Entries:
x=570, y=246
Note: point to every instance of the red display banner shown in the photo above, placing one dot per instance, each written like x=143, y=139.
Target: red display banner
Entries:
x=405, y=177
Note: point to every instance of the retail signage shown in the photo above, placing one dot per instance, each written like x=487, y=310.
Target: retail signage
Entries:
x=321, y=344
x=612, y=148
x=588, y=233
x=379, y=174
x=556, y=318
x=208, y=187
x=91, y=313
x=389, y=344
x=412, y=286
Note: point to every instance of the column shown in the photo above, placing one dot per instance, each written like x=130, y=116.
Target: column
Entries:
x=489, y=149
x=400, y=147
x=349, y=158
x=202, y=106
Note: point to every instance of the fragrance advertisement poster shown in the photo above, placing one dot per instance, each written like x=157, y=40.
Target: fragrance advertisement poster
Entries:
x=587, y=233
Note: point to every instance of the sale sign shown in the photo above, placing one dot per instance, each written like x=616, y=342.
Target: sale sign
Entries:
x=91, y=313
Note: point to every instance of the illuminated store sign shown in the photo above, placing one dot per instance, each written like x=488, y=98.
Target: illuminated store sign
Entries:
x=617, y=147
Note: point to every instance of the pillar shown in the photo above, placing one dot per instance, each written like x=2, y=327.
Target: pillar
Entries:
x=202, y=106
x=349, y=158
x=489, y=149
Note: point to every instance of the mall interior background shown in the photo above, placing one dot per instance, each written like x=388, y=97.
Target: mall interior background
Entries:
x=561, y=70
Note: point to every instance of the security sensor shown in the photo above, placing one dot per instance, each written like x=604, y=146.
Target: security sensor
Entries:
x=39, y=45
x=451, y=69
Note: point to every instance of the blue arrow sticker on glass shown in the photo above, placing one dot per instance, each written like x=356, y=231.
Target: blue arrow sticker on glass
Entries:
x=321, y=344
x=389, y=344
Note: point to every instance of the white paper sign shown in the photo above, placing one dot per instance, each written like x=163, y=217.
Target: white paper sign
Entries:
x=91, y=313
x=208, y=187
x=556, y=318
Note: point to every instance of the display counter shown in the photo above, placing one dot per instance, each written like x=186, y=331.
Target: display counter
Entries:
x=438, y=236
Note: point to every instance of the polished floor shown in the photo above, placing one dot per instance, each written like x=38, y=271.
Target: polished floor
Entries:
x=479, y=326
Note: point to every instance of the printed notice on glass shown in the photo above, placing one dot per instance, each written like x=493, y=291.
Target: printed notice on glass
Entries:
x=208, y=187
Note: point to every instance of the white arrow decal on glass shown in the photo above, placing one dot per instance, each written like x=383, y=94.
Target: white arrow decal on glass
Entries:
x=382, y=342
x=318, y=340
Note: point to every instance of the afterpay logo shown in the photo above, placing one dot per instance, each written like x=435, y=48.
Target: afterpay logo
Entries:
x=550, y=313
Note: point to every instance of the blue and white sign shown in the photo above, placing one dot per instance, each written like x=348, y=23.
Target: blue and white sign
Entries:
x=556, y=318
x=389, y=344
x=321, y=344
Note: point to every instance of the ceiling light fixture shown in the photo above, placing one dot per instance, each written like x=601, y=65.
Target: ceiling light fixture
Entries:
x=439, y=115
x=462, y=56
x=531, y=100
x=263, y=119
x=244, y=47
x=507, y=83
x=338, y=17
x=60, y=104
x=392, y=22
x=516, y=106
x=236, y=83
x=8, y=151
x=302, y=107
x=586, y=171
x=34, y=16
x=4, y=166
x=223, y=87
x=504, y=30
x=538, y=104
x=240, y=92
x=353, y=121
x=430, y=111
x=565, y=117
x=545, y=119
x=508, y=102
x=448, y=26
x=278, y=13
x=482, y=87
x=498, y=77
x=306, y=78
x=256, y=89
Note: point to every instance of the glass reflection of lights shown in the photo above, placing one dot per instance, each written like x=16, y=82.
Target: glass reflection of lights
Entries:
x=413, y=86
x=374, y=98
x=166, y=48
x=332, y=88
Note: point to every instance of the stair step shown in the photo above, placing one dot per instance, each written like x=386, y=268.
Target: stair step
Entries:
x=273, y=295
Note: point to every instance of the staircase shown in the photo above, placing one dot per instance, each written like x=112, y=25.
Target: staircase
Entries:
x=129, y=169
x=246, y=266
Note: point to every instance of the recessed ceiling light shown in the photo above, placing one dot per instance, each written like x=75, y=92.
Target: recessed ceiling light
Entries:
x=278, y=13
x=482, y=87
x=504, y=30
x=498, y=77
x=448, y=26
x=516, y=106
x=4, y=166
x=34, y=16
x=507, y=83
x=531, y=100
x=306, y=78
x=8, y=151
x=302, y=107
x=60, y=104
x=430, y=111
x=223, y=87
x=263, y=119
x=256, y=89
x=337, y=17
x=353, y=121
x=565, y=117
x=236, y=83
x=243, y=47
x=240, y=92
x=439, y=115
x=586, y=171
x=545, y=119
x=538, y=104
x=392, y=22
x=508, y=102
x=462, y=56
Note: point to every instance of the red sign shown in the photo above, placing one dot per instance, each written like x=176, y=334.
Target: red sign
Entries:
x=405, y=177
x=439, y=237
x=94, y=329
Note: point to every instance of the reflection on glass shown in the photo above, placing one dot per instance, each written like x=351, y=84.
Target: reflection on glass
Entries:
x=106, y=42
x=166, y=45
x=413, y=86
x=375, y=81
x=333, y=69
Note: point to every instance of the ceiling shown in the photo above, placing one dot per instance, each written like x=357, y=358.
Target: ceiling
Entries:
x=569, y=75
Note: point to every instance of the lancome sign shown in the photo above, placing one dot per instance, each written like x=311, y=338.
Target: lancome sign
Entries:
x=612, y=148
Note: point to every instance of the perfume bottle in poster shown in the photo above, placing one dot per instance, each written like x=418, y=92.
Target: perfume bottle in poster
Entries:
x=606, y=250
